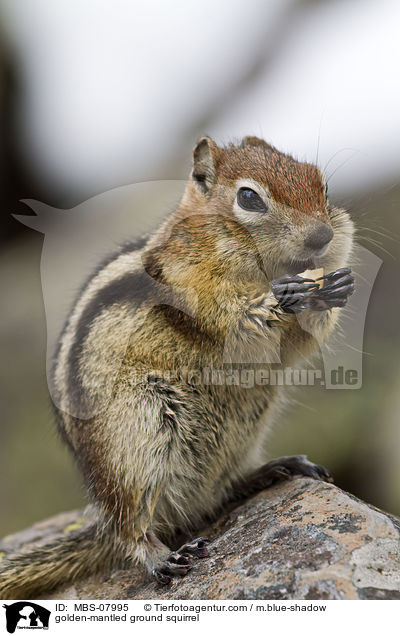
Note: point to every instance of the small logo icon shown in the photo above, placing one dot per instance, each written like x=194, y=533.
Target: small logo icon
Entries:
x=26, y=615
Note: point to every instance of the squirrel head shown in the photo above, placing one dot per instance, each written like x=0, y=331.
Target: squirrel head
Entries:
x=278, y=203
x=249, y=213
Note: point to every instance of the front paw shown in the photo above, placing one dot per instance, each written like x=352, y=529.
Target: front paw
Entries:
x=338, y=286
x=293, y=293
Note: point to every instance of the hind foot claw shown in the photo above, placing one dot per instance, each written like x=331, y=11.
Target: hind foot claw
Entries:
x=196, y=548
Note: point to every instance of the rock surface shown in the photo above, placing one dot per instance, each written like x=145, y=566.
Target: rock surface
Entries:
x=302, y=539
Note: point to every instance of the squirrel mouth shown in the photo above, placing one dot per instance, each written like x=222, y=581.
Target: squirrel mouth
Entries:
x=296, y=267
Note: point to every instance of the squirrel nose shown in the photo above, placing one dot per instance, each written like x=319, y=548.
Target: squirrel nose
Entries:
x=319, y=237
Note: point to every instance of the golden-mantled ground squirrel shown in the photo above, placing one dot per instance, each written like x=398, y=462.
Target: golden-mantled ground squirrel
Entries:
x=215, y=287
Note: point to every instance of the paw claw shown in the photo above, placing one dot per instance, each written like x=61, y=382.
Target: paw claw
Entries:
x=178, y=558
x=339, y=285
x=161, y=578
x=338, y=273
x=196, y=548
x=293, y=292
x=282, y=471
x=323, y=473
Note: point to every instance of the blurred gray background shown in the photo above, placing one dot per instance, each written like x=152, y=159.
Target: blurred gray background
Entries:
x=97, y=95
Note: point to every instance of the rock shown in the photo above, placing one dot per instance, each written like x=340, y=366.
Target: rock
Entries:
x=302, y=539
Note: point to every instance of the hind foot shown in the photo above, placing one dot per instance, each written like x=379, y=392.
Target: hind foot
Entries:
x=179, y=563
x=286, y=467
x=275, y=471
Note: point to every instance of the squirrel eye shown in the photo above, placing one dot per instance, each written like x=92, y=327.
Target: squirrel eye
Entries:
x=326, y=190
x=250, y=200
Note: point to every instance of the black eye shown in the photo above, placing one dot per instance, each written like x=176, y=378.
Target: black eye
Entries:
x=250, y=200
x=326, y=191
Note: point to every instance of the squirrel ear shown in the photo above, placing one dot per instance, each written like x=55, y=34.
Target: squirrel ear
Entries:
x=253, y=141
x=204, y=173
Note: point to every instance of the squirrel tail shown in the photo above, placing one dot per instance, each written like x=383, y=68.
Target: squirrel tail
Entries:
x=39, y=569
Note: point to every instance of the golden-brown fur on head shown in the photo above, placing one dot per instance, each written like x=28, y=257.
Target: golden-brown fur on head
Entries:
x=296, y=184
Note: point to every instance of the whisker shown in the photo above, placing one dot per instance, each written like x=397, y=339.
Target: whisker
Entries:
x=335, y=155
x=319, y=136
x=342, y=164
x=387, y=236
x=367, y=353
x=304, y=405
x=361, y=277
x=370, y=240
